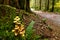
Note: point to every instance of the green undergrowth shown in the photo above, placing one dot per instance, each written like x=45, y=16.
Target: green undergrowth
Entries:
x=7, y=15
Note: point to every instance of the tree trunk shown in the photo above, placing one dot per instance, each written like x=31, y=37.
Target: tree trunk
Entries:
x=17, y=3
x=53, y=2
x=35, y=4
x=21, y=4
x=47, y=5
x=28, y=5
x=40, y=4
x=14, y=3
x=25, y=5
x=6, y=2
x=1, y=1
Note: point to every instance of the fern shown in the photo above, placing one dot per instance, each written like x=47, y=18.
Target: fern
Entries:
x=29, y=31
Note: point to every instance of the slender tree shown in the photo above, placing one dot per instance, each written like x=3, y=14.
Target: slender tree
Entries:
x=40, y=4
x=47, y=5
x=53, y=2
x=35, y=4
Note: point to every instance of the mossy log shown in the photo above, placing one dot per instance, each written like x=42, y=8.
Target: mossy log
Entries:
x=6, y=10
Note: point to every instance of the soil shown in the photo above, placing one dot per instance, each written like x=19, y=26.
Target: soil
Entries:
x=42, y=28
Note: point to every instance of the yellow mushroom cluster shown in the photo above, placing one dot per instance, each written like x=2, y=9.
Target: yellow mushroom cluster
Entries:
x=19, y=28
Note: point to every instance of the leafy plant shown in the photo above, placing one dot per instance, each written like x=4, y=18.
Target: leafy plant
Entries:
x=30, y=31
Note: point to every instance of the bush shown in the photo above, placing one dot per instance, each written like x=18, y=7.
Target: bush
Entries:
x=57, y=9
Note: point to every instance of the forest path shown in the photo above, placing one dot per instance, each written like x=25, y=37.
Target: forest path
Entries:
x=50, y=16
x=52, y=19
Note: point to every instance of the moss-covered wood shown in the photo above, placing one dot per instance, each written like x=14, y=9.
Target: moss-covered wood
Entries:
x=6, y=10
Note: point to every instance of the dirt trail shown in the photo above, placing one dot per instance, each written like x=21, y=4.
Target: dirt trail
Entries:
x=51, y=16
x=52, y=19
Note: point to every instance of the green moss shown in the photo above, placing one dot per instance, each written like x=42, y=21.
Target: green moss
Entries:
x=7, y=14
x=7, y=10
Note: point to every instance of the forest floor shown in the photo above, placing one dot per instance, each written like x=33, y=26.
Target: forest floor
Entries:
x=46, y=25
x=52, y=19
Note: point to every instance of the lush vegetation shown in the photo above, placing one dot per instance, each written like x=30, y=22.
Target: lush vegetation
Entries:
x=15, y=21
x=9, y=25
x=46, y=5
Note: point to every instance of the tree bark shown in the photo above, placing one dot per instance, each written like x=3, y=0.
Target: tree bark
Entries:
x=28, y=5
x=1, y=1
x=35, y=4
x=6, y=2
x=47, y=5
x=21, y=4
x=40, y=4
x=53, y=2
x=17, y=3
